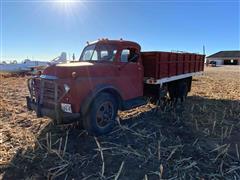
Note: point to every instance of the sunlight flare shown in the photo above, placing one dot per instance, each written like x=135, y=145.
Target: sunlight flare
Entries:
x=66, y=6
x=65, y=1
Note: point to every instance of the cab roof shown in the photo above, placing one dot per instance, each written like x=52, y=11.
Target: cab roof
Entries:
x=116, y=42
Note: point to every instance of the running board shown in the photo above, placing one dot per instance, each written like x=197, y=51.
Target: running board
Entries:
x=133, y=103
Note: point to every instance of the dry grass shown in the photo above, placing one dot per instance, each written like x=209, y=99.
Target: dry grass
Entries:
x=196, y=140
x=19, y=128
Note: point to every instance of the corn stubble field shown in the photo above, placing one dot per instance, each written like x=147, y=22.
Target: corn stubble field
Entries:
x=199, y=139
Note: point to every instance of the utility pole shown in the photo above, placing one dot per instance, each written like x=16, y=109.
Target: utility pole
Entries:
x=73, y=57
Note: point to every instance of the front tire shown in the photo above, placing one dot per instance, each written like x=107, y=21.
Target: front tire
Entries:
x=101, y=116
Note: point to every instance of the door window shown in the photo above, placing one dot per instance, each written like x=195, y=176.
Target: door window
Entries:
x=125, y=55
x=108, y=55
x=129, y=55
x=104, y=54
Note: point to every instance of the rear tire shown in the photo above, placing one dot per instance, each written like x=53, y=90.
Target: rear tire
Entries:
x=101, y=116
x=179, y=89
x=182, y=89
x=173, y=91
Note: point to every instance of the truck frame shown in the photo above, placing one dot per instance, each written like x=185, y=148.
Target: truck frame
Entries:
x=110, y=75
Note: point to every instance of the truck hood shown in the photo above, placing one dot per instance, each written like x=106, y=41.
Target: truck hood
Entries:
x=82, y=69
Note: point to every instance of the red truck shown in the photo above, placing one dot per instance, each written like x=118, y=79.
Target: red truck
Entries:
x=110, y=75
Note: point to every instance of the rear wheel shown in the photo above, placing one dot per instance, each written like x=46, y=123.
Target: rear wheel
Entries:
x=101, y=116
x=179, y=89
x=182, y=89
x=173, y=91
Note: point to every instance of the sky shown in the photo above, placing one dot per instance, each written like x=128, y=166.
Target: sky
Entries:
x=42, y=29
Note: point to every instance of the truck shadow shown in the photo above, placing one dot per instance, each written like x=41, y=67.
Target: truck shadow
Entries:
x=141, y=142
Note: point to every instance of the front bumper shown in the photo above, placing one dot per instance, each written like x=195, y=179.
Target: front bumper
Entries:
x=58, y=115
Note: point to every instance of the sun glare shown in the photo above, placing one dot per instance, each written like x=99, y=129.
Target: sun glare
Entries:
x=67, y=8
x=65, y=1
x=66, y=5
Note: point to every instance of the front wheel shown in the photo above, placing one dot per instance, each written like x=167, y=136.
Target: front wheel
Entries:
x=101, y=116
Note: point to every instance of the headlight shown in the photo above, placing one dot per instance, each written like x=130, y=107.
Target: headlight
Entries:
x=66, y=88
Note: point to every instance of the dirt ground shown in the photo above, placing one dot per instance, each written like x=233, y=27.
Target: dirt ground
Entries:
x=199, y=139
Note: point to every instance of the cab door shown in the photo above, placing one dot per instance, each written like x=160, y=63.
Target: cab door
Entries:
x=130, y=73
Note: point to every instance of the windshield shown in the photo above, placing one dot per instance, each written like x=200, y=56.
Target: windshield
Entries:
x=98, y=52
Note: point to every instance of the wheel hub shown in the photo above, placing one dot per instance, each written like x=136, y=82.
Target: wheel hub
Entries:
x=105, y=113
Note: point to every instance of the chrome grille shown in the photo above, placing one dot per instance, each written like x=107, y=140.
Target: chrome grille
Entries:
x=46, y=92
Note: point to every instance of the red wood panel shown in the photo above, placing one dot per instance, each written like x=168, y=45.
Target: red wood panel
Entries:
x=157, y=64
x=192, y=62
x=197, y=62
x=202, y=63
x=149, y=63
x=163, y=62
x=186, y=63
x=180, y=64
x=172, y=64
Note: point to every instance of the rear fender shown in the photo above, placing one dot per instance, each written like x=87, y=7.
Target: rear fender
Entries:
x=103, y=88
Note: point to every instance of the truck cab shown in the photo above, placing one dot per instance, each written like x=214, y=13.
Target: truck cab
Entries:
x=108, y=75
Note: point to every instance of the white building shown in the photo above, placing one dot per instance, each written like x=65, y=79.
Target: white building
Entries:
x=225, y=58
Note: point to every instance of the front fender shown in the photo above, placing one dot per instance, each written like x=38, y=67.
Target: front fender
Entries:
x=101, y=88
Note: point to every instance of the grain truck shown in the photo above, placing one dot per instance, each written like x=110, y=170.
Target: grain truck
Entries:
x=111, y=75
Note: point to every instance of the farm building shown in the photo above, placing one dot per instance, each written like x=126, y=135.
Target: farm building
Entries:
x=225, y=58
